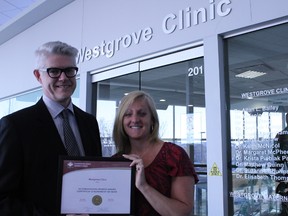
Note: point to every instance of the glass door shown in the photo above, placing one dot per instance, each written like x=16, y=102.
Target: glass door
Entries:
x=176, y=83
x=178, y=91
x=258, y=79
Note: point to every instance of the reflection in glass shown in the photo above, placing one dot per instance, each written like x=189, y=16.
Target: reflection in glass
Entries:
x=258, y=105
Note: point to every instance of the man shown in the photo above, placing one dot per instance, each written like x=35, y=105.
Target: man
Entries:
x=281, y=147
x=32, y=139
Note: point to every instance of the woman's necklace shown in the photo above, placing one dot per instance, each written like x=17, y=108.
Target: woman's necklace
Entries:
x=143, y=152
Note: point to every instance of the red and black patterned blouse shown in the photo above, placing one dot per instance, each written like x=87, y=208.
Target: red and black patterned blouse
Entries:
x=171, y=161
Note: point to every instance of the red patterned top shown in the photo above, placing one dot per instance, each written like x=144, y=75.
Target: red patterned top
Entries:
x=171, y=161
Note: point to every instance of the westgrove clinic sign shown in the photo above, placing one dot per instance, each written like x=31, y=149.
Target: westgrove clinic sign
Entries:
x=183, y=19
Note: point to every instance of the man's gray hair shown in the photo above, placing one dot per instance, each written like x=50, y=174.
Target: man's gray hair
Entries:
x=54, y=48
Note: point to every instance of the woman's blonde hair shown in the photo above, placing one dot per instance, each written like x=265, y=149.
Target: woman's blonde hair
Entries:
x=119, y=136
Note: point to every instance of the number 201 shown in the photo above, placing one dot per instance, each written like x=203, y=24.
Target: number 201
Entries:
x=195, y=71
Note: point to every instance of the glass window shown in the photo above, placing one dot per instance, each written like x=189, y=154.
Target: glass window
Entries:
x=13, y=104
x=21, y=101
x=25, y=100
x=75, y=96
x=4, y=108
x=258, y=82
x=109, y=94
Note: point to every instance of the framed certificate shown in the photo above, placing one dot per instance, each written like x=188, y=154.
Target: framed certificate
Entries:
x=96, y=186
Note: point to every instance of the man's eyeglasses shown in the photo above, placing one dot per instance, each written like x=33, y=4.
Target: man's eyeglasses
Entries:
x=56, y=72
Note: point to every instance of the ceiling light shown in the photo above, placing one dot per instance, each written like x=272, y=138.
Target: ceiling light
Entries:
x=250, y=74
x=162, y=100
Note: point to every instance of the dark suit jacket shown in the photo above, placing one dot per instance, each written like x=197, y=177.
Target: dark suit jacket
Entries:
x=30, y=146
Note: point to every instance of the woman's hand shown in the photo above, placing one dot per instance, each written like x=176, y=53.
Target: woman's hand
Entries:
x=140, y=180
x=182, y=191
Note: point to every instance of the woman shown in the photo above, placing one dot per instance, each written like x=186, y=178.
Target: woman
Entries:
x=165, y=176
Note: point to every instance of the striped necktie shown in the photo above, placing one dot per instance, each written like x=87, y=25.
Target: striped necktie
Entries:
x=69, y=137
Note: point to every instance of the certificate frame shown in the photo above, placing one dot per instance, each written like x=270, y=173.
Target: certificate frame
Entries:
x=79, y=197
